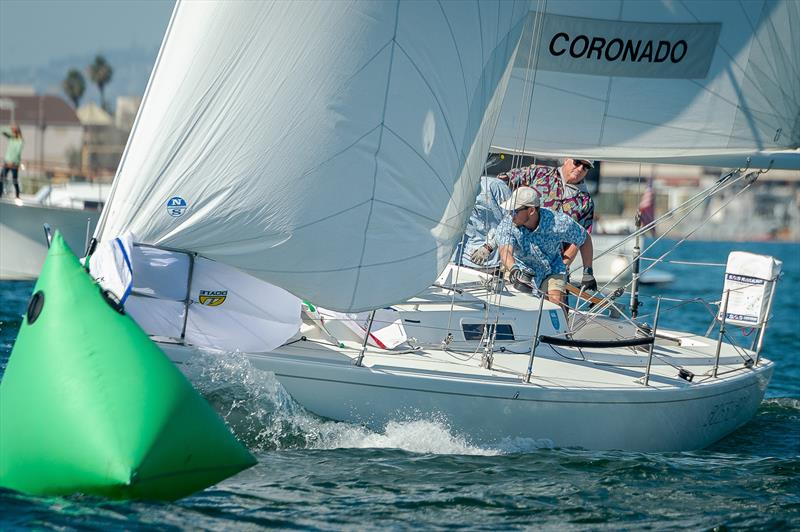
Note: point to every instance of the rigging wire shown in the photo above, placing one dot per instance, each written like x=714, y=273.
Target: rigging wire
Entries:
x=690, y=233
x=593, y=314
x=697, y=200
x=528, y=86
x=692, y=202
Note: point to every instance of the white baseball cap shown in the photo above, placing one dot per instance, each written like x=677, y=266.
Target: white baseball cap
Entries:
x=522, y=197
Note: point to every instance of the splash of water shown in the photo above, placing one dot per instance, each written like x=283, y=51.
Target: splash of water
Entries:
x=265, y=417
x=787, y=403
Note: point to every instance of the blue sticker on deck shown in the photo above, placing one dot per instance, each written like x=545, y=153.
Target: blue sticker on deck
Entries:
x=554, y=319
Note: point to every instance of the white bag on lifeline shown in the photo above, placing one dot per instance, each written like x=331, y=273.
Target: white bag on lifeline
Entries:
x=749, y=278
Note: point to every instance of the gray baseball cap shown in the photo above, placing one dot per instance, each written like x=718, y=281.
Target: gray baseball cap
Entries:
x=522, y=197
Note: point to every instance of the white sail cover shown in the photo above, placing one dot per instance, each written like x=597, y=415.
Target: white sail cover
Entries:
x=331, y=148
x=695, y=82
x=200, y=302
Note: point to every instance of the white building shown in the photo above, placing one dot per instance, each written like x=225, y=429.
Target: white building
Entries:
x=125, y=111
x=50, y=127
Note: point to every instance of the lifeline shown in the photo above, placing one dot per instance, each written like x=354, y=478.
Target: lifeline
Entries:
x=617, y=49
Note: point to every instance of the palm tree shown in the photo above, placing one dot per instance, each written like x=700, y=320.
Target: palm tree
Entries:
x=100, y=73
x=74, y=86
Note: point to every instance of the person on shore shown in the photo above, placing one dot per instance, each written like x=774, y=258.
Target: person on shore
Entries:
x=478, y=249
x=13, y=157
x=562, y=189
x=530, y=245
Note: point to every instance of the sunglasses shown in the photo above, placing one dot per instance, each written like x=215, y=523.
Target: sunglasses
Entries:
x=578, y=163
x=520, y=210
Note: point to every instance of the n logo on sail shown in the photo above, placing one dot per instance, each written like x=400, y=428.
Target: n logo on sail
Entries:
x=176, y=206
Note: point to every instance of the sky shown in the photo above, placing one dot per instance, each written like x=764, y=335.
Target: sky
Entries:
x=32, y=32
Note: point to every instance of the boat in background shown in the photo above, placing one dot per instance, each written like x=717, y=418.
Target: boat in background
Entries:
x=73, y=208
x=614, y=253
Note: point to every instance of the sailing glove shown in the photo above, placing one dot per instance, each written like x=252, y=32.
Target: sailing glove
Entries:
x=481, y=255
x=587, y=281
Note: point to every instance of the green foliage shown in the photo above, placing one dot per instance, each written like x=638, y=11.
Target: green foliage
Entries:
x=74, y=86
x=100, y=73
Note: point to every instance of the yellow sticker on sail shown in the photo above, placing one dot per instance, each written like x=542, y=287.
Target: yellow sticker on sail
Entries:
x=213, y=298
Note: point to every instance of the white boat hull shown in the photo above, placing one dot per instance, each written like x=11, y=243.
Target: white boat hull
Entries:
x=22, y=238
x=487, y=413
x=488, y=410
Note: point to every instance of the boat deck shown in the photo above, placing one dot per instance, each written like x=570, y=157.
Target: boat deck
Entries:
x=567, y=368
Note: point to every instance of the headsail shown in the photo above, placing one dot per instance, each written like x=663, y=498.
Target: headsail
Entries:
x=330, y=148
x=691, y=82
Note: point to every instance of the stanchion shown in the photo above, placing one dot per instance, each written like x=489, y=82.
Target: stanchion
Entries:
x=721, y=330
x=366, y=339
x=652, y=345
x=766, y=320
x=535, y=340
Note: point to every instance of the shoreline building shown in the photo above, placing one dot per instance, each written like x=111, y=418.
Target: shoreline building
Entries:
x=49, y=125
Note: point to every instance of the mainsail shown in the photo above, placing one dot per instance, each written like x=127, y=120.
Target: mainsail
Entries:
x=334, y=148
x=692, y=82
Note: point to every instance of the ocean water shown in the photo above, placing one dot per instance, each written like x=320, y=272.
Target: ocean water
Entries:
x=319, y=474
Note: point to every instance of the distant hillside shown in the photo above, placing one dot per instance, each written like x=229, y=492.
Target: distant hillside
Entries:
x=131, y=66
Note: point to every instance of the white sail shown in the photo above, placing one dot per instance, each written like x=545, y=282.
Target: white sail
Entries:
x=330, y=148
x=334, y=148
x=693, y=82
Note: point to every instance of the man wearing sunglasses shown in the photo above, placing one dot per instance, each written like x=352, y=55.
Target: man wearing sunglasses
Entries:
x=530, y=245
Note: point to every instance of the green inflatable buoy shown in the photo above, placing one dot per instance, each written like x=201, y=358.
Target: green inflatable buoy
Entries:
x=89, y=404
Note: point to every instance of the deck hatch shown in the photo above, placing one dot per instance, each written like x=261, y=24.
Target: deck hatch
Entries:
x=474, y=331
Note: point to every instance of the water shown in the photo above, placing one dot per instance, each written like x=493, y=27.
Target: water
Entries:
x=318, y=474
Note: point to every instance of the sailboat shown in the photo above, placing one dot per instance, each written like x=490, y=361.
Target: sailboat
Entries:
x=71, y=208
x=299, y=174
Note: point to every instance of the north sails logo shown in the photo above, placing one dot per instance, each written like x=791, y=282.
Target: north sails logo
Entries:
x=213, y=298
x=176, y=206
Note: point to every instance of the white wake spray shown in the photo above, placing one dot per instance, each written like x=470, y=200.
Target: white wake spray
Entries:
x=261, y=413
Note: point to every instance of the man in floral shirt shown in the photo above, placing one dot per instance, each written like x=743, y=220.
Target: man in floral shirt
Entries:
x=562, y=189
x=530, y=243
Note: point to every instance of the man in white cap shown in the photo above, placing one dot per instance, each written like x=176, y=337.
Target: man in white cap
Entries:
x=530, y=244
x=562, y=189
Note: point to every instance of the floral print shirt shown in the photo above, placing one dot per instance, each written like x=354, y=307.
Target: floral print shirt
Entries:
x=572, y=200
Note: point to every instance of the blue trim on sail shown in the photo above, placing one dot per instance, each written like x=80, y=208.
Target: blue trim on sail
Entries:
x=130, y=269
